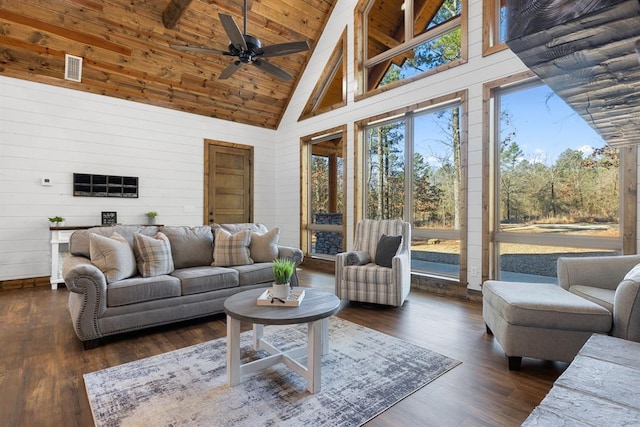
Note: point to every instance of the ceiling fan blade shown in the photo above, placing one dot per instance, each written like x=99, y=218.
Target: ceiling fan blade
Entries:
x=232, y=68
x=198, y=49
x=283, y=49
x=233, y=32
x=272, y=69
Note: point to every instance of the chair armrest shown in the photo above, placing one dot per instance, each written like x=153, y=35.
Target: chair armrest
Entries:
x=604, y=272
x=626, y=311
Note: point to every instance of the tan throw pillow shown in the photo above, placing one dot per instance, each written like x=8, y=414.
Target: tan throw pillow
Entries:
x=113, y=256
x=264, y=247
x=231, y=249
x=153, y=254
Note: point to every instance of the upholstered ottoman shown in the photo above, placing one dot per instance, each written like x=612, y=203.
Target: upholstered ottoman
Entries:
x=540, y=320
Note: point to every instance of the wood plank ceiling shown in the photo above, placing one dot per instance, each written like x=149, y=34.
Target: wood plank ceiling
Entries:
x=126, y=53
x=587, y=52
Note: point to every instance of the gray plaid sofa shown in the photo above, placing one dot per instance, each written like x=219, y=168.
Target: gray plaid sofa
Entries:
x=195, y=288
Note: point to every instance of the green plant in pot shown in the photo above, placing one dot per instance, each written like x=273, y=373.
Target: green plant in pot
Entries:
x=283, y=270
x=151, y=215
x=56, y=221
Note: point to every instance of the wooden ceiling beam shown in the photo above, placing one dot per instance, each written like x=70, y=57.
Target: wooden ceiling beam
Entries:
x=174, y=11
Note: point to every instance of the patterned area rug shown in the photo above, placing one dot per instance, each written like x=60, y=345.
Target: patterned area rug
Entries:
x=365, y=373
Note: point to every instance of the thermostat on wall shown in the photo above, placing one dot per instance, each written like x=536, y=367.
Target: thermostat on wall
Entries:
x=46, y=182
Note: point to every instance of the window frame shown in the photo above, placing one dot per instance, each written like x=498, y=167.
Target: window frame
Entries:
x=491, y=28
x=362, y=62
x=460, y=99
x=307, y=227
x=492, y=236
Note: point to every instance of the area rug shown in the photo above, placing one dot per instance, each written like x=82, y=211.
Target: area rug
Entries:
x=364, y=373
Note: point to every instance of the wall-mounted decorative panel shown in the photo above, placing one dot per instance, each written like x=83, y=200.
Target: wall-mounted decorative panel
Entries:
x=88, y=185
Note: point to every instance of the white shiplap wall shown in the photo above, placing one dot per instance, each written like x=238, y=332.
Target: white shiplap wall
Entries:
x=470, y=76
x=52, y=132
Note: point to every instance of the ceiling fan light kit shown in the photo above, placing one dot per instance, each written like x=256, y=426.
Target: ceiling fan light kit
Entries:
x=248, y=49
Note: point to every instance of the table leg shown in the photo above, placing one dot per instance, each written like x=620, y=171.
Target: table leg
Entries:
x=233, y=351
x=314, y=355
x=258, y=333
x=325, y=336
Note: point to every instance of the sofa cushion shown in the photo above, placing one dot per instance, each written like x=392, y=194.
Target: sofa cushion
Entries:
x=153, y=254
x=195, y=280
x=264, y=246
x=255, y=273
x=232, y=249
x=544, y=305
x=387, y=249
x=140, y=289
x=190, y=246
x=113, y=256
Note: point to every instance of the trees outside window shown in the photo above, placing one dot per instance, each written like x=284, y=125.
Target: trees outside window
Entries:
x=558, y=185
x=413, y=171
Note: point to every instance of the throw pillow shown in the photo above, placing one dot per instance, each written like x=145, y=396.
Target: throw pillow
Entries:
x=113, y=256
x=231, y=249
x=386, y=249
x=153, y=254
x=190, y=246
x=264, y=247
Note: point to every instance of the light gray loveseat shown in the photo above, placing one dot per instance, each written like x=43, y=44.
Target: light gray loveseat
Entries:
x=551, y=322
x=103, y=303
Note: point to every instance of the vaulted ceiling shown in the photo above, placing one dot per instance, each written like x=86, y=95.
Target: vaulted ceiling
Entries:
x=126, y=54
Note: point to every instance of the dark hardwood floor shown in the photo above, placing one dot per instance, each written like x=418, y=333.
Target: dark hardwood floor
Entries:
x=42, y=361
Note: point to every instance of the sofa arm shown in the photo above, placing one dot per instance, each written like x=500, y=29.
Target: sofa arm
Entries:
x=294, y=254
x=626, y=311
x=88, y=295
x=289, y=252
x=604, y=272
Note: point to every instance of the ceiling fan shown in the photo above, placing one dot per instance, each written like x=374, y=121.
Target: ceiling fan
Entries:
x=248, y=49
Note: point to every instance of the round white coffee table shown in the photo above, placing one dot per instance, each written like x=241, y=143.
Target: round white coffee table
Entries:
x=314, y=310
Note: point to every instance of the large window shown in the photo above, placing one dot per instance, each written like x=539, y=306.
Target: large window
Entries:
x=403, y=39
x=322, y=193
x=413, y=170
x=557, y=185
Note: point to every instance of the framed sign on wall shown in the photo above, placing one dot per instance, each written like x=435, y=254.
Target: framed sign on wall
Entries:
x=109, y=218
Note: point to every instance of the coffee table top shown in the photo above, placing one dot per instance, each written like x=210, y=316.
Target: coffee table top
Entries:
x=316, y=305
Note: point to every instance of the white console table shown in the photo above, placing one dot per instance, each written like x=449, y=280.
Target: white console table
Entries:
x=59, y=249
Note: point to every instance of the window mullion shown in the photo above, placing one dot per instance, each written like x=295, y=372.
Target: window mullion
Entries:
x=408, y=169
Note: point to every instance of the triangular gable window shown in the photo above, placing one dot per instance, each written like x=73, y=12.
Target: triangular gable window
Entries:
x=330, y=91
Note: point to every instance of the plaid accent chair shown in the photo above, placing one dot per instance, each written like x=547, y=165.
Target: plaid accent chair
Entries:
x=359, y=278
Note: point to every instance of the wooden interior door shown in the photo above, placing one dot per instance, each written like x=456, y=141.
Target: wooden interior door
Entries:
x=228, y=183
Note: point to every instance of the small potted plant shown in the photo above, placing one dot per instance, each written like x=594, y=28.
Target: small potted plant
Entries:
x=151, y=215
x=56, y=221
x=282, y=271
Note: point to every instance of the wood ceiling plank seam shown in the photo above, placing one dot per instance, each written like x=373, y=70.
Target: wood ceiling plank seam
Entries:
x=63, y=32
x=88, y=4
